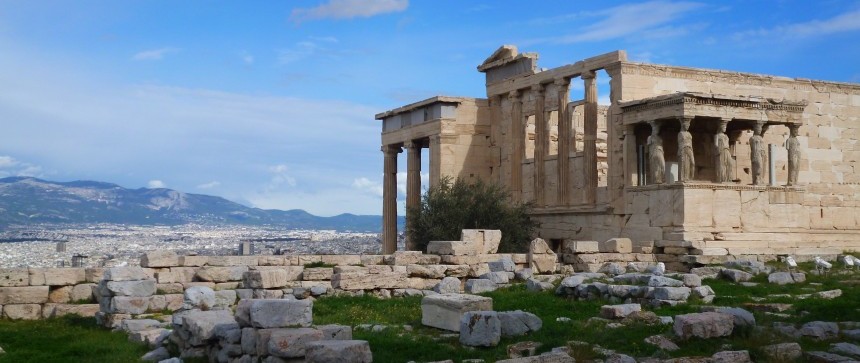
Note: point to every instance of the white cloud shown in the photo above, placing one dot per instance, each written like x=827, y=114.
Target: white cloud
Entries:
x=347, y=9
x=621, y=21
x=246, y=58
x=280, y=177
x=209, y=185
x=7, y=162
x=154, y=184
x=845, y=22
x=368, y=186
x=154, y=54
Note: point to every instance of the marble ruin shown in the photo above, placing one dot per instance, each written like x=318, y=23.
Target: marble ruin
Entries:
x=703, y=164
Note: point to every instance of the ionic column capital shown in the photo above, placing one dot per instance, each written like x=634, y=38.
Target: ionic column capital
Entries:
x=562, y=82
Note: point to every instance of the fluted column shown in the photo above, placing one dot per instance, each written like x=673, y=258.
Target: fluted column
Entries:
x=413, y=181
x=563, y=142
x=541, y=145
x=518, y=144
x=590, y=138
x=389, y=199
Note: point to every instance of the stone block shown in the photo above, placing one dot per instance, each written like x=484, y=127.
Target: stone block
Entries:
x=139, y=288
x=61, y=294
x=336, y=332
x=341, y=259
x=203, y=325
x=94, y=274
x=224, y=299
x=199, y=297
x=671, y=293
x=57, y=310
x=426, y=271
x=159, y=258
x=317, y=274
x=616, y=245
x=24, y=295
x=334, y=351
x=221, y=274
x=64, y=276
x=443, y=311
x=783, y=352
x=133, y=325
x=169, y=288
x=22, y=311
x=573, y=247
x=480, y=329
x=13, y=277
x=291, y=343
x=453, y=248
x=280, y=313
x=703, y=325
x=477, y=286
x=193, y=261
x=129, y=305
x=265, y=279
x=393, y=280
x=150, y=337
x=492, y=239
x=502, y=265
x=516, y=323
x=734, y=275
x=448, y=285
x=541, y=258
x=619, y=311
x=125, y=273
x=37, y=276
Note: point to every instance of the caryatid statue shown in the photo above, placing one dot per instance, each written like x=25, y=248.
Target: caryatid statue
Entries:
x=757, y=154
x=656, y=159
x=725, y=163
x=793, y=147
x=686, y=160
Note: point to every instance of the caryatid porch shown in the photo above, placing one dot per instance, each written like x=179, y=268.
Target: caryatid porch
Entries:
x=686, y=137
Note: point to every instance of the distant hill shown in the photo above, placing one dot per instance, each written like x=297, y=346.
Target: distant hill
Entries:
x=25, y=200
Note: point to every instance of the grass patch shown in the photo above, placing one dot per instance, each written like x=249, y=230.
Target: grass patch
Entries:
x=66, y=339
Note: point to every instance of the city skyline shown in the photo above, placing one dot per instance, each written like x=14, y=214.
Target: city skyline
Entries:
x=272, y=105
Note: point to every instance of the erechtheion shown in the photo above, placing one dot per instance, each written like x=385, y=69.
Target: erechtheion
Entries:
x=686, y=161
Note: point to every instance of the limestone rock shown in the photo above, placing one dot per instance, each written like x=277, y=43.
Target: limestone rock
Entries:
x=199, y=297
x=829, y=294
x=736, y=275
x=820, y=330
x=159, y=258
x=616, y=245
x=477, y=286
x=662, y=281
x=129, y=305
x=848, y=349
x=11, y=277
x=480, y=329
x=824, y=357
x=541, y=258
x=338, y=351
x=731, y=356
x=280, y=313
x=125, y=273
x=139, y=288
x=448, y=285
x=516, y=323
x=390, y=280
x=703, y=325
x=742, y=317
x=618, y=311
x=497, y=277
x=783, y=352
x=783, y=278
x=64, y=276
x=548, y=357
x=671, y=293
x=156, y=355
x=452, y=248
x=336, y=332
x=662, y=342
x=266, y=279
x=292, y=343
x=24, y=295
x=443, y=311
x=203, y=325
x=221, y=273
x=502, y=265
x=537, y=285
x=523, y=274
x=22, y=311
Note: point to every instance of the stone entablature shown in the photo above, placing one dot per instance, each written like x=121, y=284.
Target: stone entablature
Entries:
x=690, y=104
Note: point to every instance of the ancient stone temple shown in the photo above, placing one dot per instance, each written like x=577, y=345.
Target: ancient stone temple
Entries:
x=695, y=161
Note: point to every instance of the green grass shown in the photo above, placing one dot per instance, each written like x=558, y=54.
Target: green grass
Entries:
x=67, y=339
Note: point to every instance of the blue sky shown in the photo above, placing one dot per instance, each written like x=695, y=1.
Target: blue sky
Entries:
x=271, y=104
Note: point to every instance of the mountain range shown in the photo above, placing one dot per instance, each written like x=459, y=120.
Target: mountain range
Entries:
x=27, y=200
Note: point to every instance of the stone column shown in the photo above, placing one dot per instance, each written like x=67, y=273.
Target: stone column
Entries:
x=435, y=159
x=758, y=154
x=541, y=145
x=518, y=145
x=564, y=128
x=590, y=138
x=793, y=147
x=413, y=181
x=389, y=199
x=656, y=158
